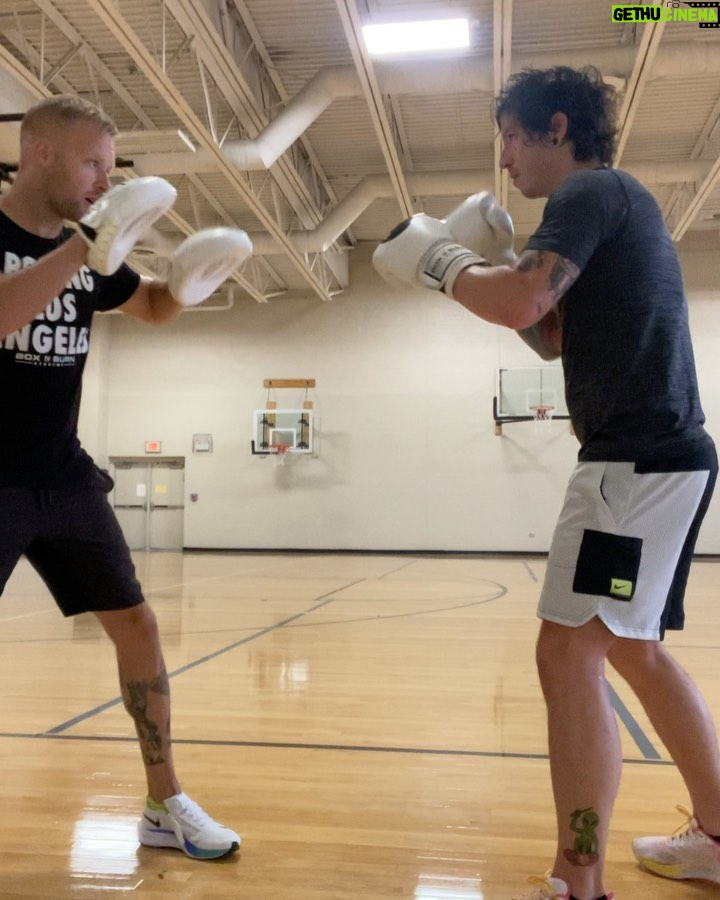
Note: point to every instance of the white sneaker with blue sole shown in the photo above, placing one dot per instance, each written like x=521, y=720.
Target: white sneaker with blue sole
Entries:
x=180, y=824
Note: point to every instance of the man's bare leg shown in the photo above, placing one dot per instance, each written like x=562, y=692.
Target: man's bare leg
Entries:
x=171, y=819
x=584, y=747
x=145, y=691
x=681, y=718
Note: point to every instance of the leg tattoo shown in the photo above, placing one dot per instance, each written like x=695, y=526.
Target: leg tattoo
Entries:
x=151, y=734
x=584, y=851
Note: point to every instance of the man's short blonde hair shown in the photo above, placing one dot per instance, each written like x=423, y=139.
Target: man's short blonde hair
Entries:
x=65, y=109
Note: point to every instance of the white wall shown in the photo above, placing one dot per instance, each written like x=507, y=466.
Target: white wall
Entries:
x=408, y=458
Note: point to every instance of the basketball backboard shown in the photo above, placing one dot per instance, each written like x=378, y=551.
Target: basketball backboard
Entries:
x=288, y=428
x=519, y=391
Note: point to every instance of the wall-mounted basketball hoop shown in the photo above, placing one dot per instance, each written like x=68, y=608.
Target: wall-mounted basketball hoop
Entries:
x=542, y=413
x=529, y=394
x=281, y=432
x=282, y=453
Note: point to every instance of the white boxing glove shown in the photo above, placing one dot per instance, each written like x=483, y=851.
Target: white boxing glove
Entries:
x=203, y=261
x=422, y=252
x=117, y=220
x=482, y=225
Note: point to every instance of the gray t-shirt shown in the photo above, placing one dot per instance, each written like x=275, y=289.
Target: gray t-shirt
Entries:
x=630, y=379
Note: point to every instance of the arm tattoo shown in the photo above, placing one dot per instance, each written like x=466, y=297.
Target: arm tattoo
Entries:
x=561, y=277
x=529, y=260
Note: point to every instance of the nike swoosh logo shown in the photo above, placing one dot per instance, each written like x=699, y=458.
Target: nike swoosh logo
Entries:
x=155, y=822
x=621, y=588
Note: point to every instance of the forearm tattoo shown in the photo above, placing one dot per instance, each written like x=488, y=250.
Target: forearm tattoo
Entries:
x=560, y=278
x=152, y=735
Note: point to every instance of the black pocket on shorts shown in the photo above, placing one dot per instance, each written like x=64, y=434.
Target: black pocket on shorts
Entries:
x=608, y=565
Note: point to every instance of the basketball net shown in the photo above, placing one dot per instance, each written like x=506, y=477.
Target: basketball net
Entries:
x=542, y=414
x=281, y=453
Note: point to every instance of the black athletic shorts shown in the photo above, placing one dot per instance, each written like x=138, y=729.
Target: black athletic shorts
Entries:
x=74, y=542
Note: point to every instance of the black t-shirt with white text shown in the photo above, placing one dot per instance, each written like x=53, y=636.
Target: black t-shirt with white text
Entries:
x=41, y=367
x=630, y=380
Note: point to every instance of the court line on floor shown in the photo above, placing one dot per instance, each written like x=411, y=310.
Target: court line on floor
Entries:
x=27, y=615
x=321, y=601
x=643, y=743
x=293, y=745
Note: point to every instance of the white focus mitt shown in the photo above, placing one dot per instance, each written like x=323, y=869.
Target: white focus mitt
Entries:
x=203, y=261
x=482, y=225
x=117, y=220
x=422, y=252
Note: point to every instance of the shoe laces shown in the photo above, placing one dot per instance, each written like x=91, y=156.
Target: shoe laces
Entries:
x=688, y=831
x=545, y=889
x=194, y=813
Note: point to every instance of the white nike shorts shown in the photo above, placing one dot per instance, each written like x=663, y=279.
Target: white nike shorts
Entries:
x=624, y=542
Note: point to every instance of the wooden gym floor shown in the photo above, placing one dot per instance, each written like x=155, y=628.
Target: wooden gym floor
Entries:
x=371, y=724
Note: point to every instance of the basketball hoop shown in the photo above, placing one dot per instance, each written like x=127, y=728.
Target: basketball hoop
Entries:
x=542, y=414
x=281, y=452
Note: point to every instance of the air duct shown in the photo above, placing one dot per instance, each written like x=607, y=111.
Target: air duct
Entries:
x=447, y=184
x=431, y=77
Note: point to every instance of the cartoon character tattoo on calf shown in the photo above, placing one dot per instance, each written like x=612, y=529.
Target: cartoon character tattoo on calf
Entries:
x=584, y=851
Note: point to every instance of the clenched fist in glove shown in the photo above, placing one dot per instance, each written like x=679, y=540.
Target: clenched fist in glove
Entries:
x=423, y=252
x=203, y=261
x=483, y=226
x=117, y=220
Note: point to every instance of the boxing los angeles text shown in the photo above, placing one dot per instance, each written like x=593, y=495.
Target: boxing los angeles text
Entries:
x=59, y=336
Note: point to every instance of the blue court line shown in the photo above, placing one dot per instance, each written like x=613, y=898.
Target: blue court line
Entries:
x=325, y=598
x=636, y=733
x=642, y=741
x=292, y=745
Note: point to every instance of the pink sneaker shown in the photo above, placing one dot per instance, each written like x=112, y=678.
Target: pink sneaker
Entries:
x=688, y=853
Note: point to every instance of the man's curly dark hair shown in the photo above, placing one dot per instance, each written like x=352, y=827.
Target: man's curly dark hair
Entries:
x=533, y=96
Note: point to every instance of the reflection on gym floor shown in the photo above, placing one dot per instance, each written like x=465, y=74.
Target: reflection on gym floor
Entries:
x=371, y=724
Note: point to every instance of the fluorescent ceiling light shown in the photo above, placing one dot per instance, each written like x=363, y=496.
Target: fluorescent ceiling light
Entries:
x=411, y=37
